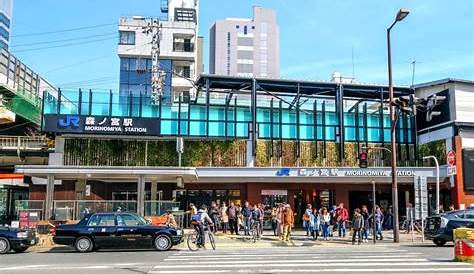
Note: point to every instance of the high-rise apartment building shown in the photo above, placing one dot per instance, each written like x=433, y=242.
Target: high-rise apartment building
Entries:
x=246, y=47
x=178, y=51
x=6, y=10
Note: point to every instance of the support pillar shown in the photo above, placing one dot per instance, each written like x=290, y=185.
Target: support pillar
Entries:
x=154, y=190
x=141, y=195
x=48, y=209
x=249, y=155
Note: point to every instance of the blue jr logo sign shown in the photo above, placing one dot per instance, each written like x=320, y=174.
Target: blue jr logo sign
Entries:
x=69, y=121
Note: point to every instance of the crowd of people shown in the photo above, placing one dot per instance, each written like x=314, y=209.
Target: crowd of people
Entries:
x=323, y=222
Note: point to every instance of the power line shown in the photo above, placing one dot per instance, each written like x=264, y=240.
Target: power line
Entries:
x=62, y=30
x=64, y=45
x=63, y=40
x=92, y=59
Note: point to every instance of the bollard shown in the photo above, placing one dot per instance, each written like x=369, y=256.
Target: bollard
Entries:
x=464, y=244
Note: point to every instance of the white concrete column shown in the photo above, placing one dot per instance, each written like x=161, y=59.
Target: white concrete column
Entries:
x=141, y=195
x=154, y=192
x=250, y=159
x=49, y=203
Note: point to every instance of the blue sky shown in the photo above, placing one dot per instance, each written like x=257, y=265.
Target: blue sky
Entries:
x=316, y=37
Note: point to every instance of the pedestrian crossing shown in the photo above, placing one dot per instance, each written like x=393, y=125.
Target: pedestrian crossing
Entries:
x=307, y=260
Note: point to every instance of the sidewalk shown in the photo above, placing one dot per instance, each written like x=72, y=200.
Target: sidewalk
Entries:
x=299, y=238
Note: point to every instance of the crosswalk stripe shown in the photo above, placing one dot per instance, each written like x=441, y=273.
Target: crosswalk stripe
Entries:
x=296, y=252
x=322, y=261
x=315, y=264
x=213, y=257
x=341, y=270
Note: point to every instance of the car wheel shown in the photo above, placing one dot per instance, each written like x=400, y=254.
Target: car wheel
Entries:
x=439, y=242
x=162, y=242
x=84, y=244
x=20, y=250
x=4, y=245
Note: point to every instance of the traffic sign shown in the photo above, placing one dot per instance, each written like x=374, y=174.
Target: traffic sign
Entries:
x=451, y=158
x=451, y=170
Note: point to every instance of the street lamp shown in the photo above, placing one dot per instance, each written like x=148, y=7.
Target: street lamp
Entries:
x=437, y=179
x=402, y=13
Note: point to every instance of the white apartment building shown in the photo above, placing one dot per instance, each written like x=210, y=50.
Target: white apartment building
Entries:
x=246, y=47
x=179, y=51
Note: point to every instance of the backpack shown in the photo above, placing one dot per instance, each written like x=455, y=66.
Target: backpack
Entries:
x=196, y=217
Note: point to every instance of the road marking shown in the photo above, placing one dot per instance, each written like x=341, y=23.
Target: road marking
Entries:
x=343, y=270
x=213, y=257
x=295, y=252
x=324, y=261
x=313, y=264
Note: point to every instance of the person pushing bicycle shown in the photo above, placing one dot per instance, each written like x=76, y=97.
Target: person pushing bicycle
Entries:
x=198, y=220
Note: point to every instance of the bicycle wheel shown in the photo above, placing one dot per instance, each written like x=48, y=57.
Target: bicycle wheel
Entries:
x=212, y=241
x=192, y=241
x=254, y=234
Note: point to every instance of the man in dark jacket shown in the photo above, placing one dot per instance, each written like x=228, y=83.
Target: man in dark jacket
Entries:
x=357, y=225
x=247, y=214
x=232, y=212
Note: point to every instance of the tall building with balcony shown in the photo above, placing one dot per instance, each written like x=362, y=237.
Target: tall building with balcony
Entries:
x=178, y=52
x=6, y=11
x=246, y=47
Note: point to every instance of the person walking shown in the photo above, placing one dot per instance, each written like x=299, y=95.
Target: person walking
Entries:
x=316, y=221
x=224, y=217
x=288, y=222
x=280, y=221
x=274, y=220
x=357, y=226
x=341, y=218
x=213, y=212
x=378, y=223
x=307, y=222
x=326, y=221
x=232, y=217
x=247, y=214
x=261, y=219
x=365, y=231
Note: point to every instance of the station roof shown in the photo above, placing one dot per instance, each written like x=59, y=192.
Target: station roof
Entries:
x=106, y=173
x=307, y=87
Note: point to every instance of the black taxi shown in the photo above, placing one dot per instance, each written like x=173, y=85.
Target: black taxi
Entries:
x=116, y=230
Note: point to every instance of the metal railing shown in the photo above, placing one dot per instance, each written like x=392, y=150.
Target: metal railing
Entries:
x=30, y=206
x=76, y=209
x=24, y=142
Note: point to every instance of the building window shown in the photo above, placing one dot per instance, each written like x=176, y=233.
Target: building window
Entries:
x=245, y=30
x=127, y=37
x=4, y=19
x=237, y=26
x=183, y=44
x=4, y=33
x=253, y=27
x=228, y=53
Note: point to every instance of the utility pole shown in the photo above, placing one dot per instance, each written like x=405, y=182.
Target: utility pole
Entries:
x=157, y=75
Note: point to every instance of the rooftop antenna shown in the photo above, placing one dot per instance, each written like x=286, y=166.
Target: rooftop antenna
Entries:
x=413, y=63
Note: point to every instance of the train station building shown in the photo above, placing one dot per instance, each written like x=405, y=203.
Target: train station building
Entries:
x=239, y=139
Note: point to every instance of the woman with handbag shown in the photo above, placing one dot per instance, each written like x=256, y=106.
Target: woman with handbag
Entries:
x=307, y=223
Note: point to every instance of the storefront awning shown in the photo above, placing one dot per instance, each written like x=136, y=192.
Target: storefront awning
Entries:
x=105, y=173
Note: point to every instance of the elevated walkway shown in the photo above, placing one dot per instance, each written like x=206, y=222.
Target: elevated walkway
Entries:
x=21, y=90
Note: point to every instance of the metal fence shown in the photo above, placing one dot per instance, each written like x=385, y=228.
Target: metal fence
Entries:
x=76, y=209
x=30, y=206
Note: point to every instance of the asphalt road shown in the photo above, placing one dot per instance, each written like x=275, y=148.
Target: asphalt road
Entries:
x=316, y=259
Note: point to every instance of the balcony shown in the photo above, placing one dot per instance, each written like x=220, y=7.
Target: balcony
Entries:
x=183, y=47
